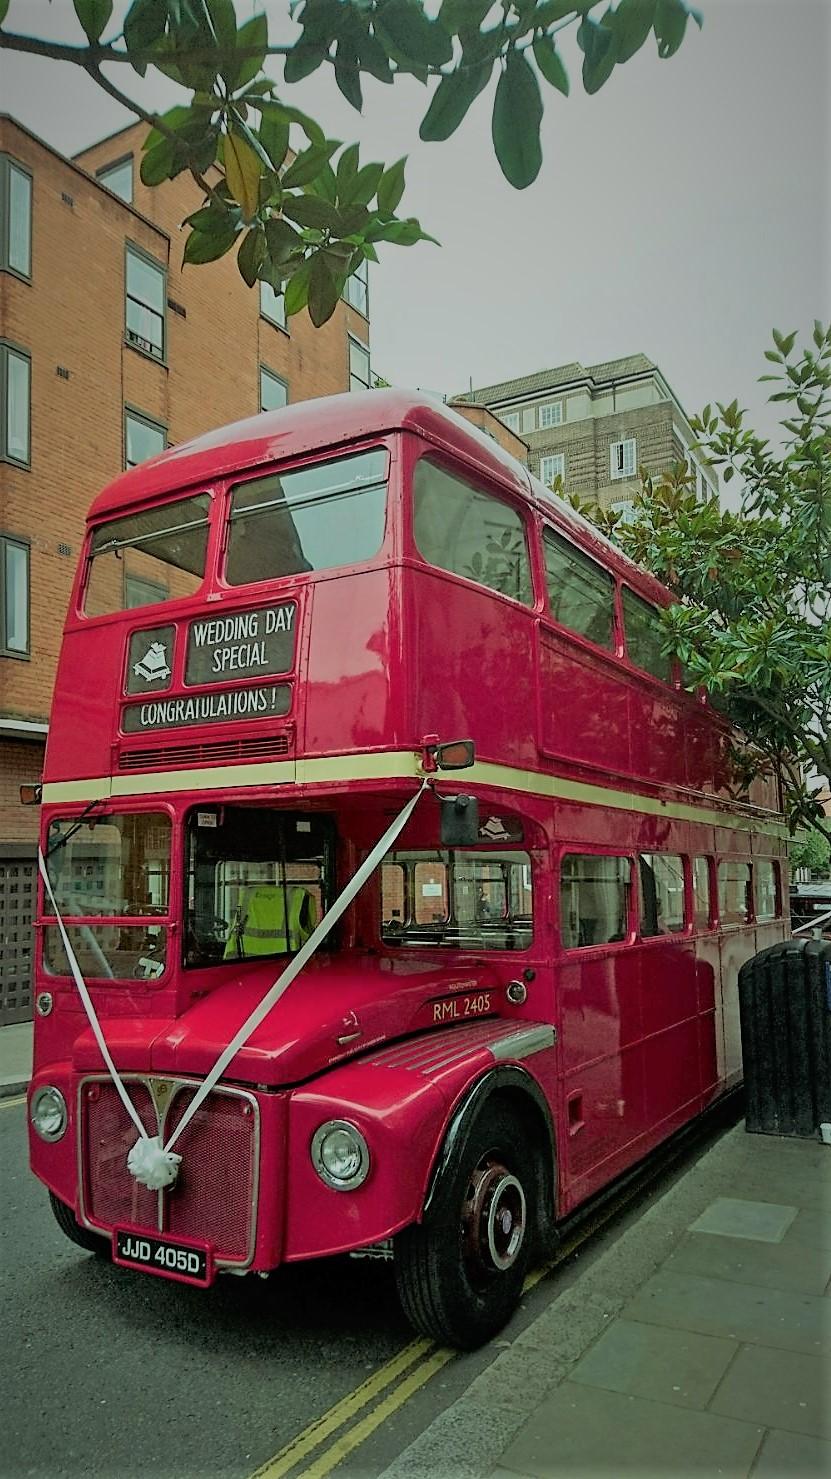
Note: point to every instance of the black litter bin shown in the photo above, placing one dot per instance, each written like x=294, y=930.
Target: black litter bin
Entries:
x=785, y=1006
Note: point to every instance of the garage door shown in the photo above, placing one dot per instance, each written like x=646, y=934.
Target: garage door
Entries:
x=17, y=905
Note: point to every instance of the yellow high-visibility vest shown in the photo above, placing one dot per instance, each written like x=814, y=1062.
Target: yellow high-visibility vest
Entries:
x=261, y=926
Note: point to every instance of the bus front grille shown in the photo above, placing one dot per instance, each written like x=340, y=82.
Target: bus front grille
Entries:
x=207, y=752
x=214, y=1199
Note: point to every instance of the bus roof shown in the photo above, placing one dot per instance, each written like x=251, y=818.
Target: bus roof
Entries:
x=331, y=421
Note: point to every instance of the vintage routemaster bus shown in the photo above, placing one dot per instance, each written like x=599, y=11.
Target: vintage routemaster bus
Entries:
x=277, y=634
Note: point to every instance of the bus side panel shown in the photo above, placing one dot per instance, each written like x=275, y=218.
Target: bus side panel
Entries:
x=84, y=748
x=354, y=695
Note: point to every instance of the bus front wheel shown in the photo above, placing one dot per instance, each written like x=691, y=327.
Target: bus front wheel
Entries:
x=460, y=1272
x=72, y=1229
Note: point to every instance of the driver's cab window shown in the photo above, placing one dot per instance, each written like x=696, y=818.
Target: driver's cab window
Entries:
x=258, y=882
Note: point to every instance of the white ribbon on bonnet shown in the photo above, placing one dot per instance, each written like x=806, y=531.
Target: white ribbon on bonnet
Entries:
x=153, y=1164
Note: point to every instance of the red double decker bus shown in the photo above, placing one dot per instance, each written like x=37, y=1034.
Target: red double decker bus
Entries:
x=301, y=991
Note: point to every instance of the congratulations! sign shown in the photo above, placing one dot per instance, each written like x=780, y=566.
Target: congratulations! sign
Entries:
x=244, y=644
x=264, y=701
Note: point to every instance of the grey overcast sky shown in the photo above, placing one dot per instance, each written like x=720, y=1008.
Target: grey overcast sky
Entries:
x=682, y=211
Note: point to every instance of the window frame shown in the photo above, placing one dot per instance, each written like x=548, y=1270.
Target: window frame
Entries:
x=7, y=350
x=622, y=475
x=108, y=169
x=18, y=541
x=266, y=374
x=352, y=339
x=277, y=319
x=582, y=850
x=133, y=414
x=360, y=276
x=131, y=248
x=8, y=162
x=545, y=425
x=550, y=536
x=553, y=457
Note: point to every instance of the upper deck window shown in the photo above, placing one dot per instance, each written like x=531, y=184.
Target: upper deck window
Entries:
x=645, y=636
x=581, y=595
x=314, y=518
x=155, y=555
x=462, y=529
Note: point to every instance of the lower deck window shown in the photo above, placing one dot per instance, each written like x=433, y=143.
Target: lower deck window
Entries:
x=469, y=900
x=258, y=882
x=594, y=900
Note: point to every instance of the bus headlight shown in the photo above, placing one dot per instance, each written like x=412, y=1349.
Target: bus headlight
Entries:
x=47, y=1112
x=340, y=1155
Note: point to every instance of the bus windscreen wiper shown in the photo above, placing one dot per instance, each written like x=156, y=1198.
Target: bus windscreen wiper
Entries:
x=79, y=822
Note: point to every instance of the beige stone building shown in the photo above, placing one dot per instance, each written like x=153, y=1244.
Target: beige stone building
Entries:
x=596, y=425
x=109, y=352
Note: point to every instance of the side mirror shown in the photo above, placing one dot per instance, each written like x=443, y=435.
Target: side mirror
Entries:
x=459, y=821
x=457, y=755
x=31, y=795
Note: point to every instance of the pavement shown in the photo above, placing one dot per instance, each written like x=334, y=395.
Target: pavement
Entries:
x=698, y=1344
x=15, y=1058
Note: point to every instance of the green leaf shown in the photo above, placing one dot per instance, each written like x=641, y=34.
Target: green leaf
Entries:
x=517, y=113
x=401, y=233
x=4, y=7
x=303, y=59
x=412, y=33
x=325, y=185
x=296, y=294
x=93, y=15
x=158, y=163
x=347, y=76
x=271, y=108
x=174, y=118
x=239, y=72
x=391, y=188
x=251, y=254
x=550, y=63
x=670, y=24
x=224, y=21
x=373, y=59
x=243, y=168
x=209, y=245
x=361, y=188
x=457, y=15
x=451, y=100
x=274, y=137
x=310, y=210
x=144, y=25
x=631, y=24
x=282, y=239
x=555, y=10
x=347, y=167
x=308, y=164
x=598, y=46
x=323, y=293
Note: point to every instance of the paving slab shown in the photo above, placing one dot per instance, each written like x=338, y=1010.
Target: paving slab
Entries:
x=673, y=1366
x=732, y=1217
x=790, y=1265
x=796, y=1184
x=793, y=1454
x=783, y=1389
x=582, y=1432
x=744, y=1312
x=15, y=1058
x=811, y=1226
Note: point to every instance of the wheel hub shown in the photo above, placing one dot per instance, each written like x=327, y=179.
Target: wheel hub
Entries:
x=493, y=1219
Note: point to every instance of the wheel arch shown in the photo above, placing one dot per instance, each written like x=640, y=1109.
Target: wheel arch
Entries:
x=514, y=1088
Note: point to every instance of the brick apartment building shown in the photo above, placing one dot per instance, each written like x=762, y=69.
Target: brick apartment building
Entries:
x=108, y=353
x=595, y=425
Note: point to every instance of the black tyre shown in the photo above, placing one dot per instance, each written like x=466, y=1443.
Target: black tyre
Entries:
x=72, y=1229
x=460, y=1272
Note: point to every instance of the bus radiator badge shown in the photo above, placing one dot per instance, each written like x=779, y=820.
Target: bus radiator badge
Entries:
x=154, y=663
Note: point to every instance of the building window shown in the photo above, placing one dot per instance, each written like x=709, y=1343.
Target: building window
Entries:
x=358, y=365
x=15, y=218
x=274, y=393
x=356, y=291
x=272, y=305
x=510, y=419
x=552, y=467
x=14, y=585
x=551, y=415
x=623, y=458
x=145, y=304
x=625, y=510
x=15, y=379
x=143, y=438
x=118, y=177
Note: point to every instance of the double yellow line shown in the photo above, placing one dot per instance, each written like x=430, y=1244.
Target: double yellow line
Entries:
x=406, y=1372
x=13, y=1103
